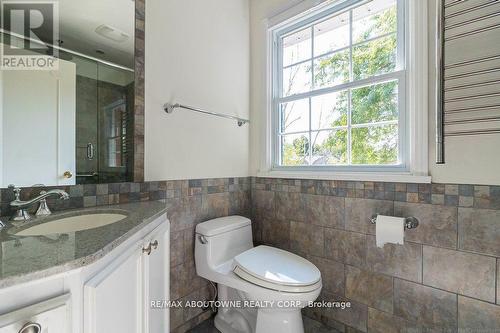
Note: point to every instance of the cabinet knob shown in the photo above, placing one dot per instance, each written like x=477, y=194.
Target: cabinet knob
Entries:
x=147, y=249
x=68, y=175
x=31, y=328
x=151, y=246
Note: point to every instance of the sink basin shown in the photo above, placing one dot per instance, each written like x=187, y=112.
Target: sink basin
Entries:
x=72, y=224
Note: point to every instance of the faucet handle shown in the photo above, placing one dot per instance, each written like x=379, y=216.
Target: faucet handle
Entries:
x=16, y=190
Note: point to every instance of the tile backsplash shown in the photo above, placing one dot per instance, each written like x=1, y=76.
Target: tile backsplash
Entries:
x=83, y=196
x=445, y=278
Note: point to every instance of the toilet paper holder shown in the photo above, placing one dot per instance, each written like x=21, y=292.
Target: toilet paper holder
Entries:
x=410, y=222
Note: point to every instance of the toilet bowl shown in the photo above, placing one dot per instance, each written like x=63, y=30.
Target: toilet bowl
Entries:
x=260, y=289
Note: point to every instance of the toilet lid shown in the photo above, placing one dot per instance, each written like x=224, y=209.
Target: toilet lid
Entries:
x=276, y=267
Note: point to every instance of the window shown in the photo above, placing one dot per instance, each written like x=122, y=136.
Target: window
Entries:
x=116, y=132
x=339, y=88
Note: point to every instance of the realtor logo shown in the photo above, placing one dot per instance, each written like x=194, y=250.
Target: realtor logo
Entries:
x=29, y=31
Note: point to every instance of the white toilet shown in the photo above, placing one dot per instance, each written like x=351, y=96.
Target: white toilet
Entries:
x=280, y=283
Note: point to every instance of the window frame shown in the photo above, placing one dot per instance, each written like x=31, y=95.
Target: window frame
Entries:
x=409, y=73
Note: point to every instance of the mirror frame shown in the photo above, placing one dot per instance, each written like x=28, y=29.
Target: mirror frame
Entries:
x=140, y=17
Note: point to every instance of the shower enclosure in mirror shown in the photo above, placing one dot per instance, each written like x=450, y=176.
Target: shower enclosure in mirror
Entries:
x=76, y=118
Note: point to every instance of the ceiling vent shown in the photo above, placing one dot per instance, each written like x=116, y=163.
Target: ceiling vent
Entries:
x=112, y=33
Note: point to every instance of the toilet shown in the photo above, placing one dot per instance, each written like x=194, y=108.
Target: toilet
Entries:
x=260, y=289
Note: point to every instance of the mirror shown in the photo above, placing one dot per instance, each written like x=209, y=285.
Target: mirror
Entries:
x=67, y=92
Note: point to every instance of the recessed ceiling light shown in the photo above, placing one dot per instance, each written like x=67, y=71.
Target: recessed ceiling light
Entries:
x=112, y=33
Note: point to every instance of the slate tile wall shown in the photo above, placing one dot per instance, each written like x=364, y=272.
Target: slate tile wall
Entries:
x=445, y=278
x=189, y=203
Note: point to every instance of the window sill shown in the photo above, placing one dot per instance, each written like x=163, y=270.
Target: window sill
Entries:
x=348, y=176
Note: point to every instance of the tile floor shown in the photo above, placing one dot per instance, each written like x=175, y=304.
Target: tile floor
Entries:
x=310, y=326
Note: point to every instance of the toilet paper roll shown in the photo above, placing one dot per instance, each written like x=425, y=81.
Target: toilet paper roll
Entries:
x=390, y=230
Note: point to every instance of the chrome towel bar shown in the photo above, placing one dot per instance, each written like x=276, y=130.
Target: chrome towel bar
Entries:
x=478, y=132
x=410, y=222
x=440, y=77
x=473, y=32
x=471, y=9
x=472, y=62
x=169, y=108
x=91, y=174
x=474, y=73
x=466, y=112
x=474, y=20
x=472, y=85
x=453, y=3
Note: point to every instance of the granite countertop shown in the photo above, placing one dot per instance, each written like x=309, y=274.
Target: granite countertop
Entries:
x=24, y=259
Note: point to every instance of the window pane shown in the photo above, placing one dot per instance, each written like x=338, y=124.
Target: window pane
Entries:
x=358, y=125
x=329, y=147
x=297, y=79
x=375, y=103
x=376, y=18
x=376, y=145
x=375, y=57
x=328, y=111
x=297, y=47
x=295, y=149
x=331, y=70
x=294, y=116
x=332, y=34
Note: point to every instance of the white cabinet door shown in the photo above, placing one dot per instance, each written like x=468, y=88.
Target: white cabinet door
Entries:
x=156, y=280
x=113, y=298
x=51, y=316
x=118, y=299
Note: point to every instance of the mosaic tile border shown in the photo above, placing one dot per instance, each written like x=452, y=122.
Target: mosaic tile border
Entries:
x=91, y=195
x=470, y=196
x=138, y=163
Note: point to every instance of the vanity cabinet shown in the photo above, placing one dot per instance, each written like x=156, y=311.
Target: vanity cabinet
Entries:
x=118, y=298
x=113, y=294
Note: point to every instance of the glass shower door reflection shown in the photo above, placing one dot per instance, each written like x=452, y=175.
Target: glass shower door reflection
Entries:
x=106, y=135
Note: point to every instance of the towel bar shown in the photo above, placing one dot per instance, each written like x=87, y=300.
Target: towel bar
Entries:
x=169, y=108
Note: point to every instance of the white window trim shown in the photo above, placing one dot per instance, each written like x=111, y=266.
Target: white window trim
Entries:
x=416, y=40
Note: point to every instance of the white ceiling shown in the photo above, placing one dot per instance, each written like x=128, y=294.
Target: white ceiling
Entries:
x=78, y=20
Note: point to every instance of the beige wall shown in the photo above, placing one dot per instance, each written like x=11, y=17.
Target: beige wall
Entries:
x=197, y=53
x=260, y=11
x=473, y=159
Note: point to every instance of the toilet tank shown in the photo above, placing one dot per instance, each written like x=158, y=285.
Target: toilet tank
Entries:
x=220, y=240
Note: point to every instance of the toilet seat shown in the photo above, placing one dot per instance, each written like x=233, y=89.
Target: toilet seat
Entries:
x=278, y=270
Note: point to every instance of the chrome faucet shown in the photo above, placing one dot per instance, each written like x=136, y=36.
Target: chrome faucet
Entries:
x=22, y=214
